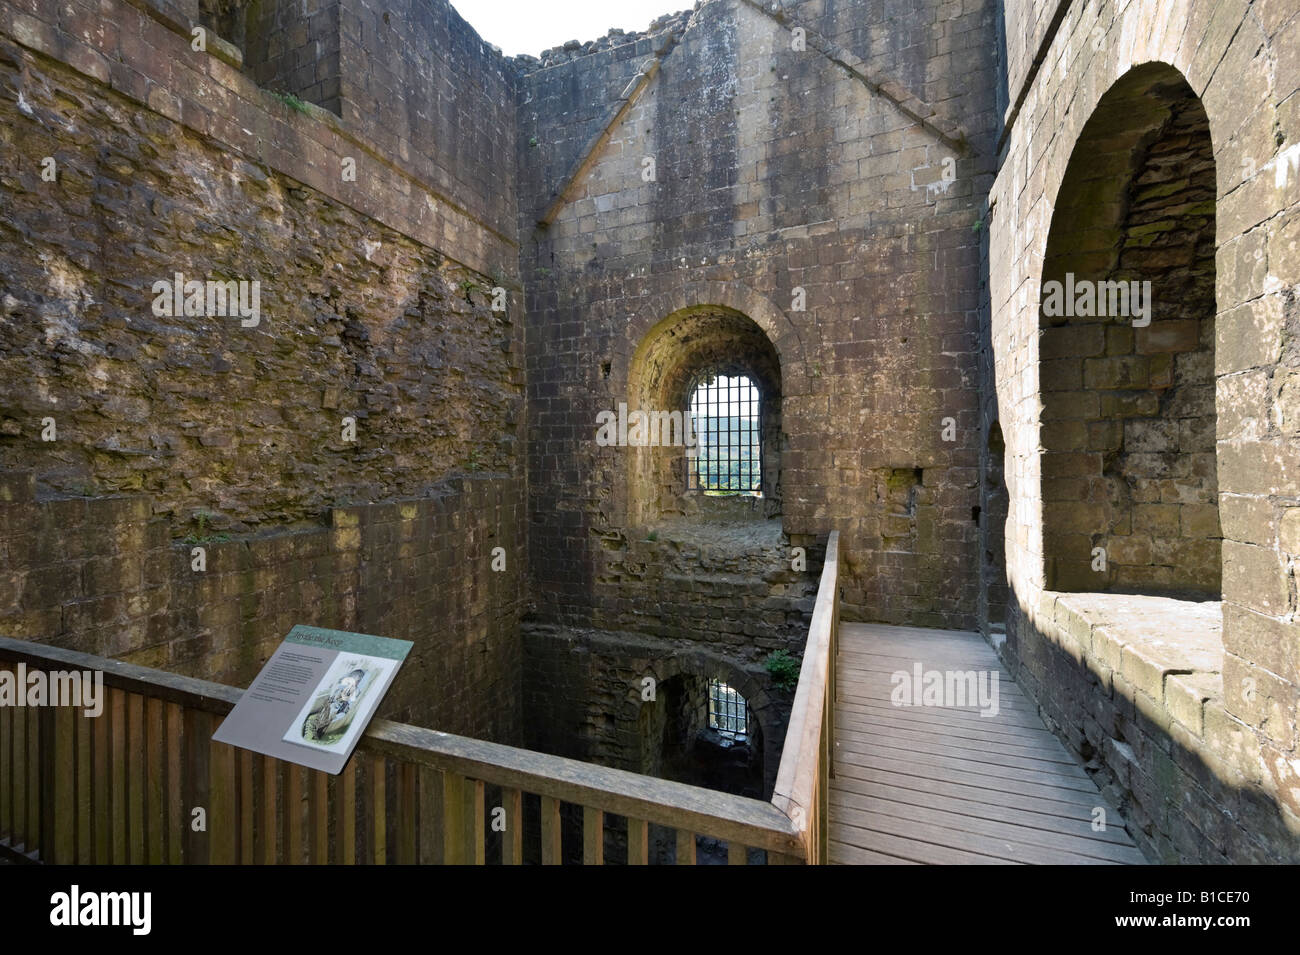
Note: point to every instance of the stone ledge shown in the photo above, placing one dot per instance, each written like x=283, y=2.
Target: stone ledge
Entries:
x=1169, y=649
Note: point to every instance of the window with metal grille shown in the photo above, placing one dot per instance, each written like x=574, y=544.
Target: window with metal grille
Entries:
x=728, y=711
x=726, y=418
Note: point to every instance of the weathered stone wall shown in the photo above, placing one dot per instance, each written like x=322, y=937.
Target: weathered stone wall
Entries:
x=105, y=575
x=774, y=170
x=429, y=95
x=374, y=306
x=412, y=80
x=143, y=52
x=356, y=321
x=1195, y=732
x=286, y=46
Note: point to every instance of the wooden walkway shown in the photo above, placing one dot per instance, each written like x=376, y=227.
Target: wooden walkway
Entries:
x=940, y=785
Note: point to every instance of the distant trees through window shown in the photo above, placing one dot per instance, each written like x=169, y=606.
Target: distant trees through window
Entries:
x=726, y=420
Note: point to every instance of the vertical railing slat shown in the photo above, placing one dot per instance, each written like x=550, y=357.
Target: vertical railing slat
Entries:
x=638, y=842
x=22, y=769
x=407, y=849
x=247, y=807
x=737, y=854
x=270, y=833
x=58, y=819
x=346, y=795
x=475, y=826
x=429, y=785
x=551, y=854
x=102, y=798
x=512, y=840
x=294, y=806
x=593, y=836
x=177, y=823
x=7, y=763
x=118, y=815
x=319, y=809
x=135, y=797
x=685, y=847
x=85, y=788
x=453, y=819
x=35, y=737
x=223, y=808
x=195, y=783
x=156, y=781
x=379, y=811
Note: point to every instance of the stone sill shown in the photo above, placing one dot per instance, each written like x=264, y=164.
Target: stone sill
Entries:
x=1168, y=649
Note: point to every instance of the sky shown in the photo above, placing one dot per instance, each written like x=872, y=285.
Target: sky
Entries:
x=531, y=26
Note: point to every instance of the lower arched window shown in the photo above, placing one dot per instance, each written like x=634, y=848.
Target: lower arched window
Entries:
x=728, y=711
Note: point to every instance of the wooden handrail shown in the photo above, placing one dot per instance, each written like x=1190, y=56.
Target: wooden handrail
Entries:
x=801, y=780
x=67, y=783
x=735, y=819
x=660, y=801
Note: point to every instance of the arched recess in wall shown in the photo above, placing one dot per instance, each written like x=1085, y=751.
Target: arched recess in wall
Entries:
x=680, y=684
x=665, y=368
x=1126, y=349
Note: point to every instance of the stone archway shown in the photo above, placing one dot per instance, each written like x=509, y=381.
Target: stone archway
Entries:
x=668, y=359
x=768, y=713
x=1126, y=349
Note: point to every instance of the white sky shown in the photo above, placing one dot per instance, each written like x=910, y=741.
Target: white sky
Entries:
x=531, y=26
x=713, y=399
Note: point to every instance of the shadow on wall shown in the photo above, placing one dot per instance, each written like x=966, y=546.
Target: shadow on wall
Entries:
x=1187, y=797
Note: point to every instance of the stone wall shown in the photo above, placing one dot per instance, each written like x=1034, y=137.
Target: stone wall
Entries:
x=1188, y=711
x=289, y=47
x=128, y=436
x=432, y=97
x=356, y=320
x=797, y=189
x=105, y=575
x=400, y=78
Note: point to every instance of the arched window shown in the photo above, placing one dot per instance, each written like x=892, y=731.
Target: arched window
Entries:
x=728, y=711
x=726, y=420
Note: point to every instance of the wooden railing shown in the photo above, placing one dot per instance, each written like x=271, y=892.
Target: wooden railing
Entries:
x=144, y=783
x=802, y=781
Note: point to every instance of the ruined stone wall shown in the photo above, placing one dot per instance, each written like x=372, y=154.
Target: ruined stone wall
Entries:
x=434, y=98
x=356, y=321
x=374, y=307
x=413, y=82
x=775, y=169
x=286, y=46
x=1186, y=711
x=104, y=575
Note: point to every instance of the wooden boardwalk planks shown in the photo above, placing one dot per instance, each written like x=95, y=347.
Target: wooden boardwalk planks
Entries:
x=948, y=785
